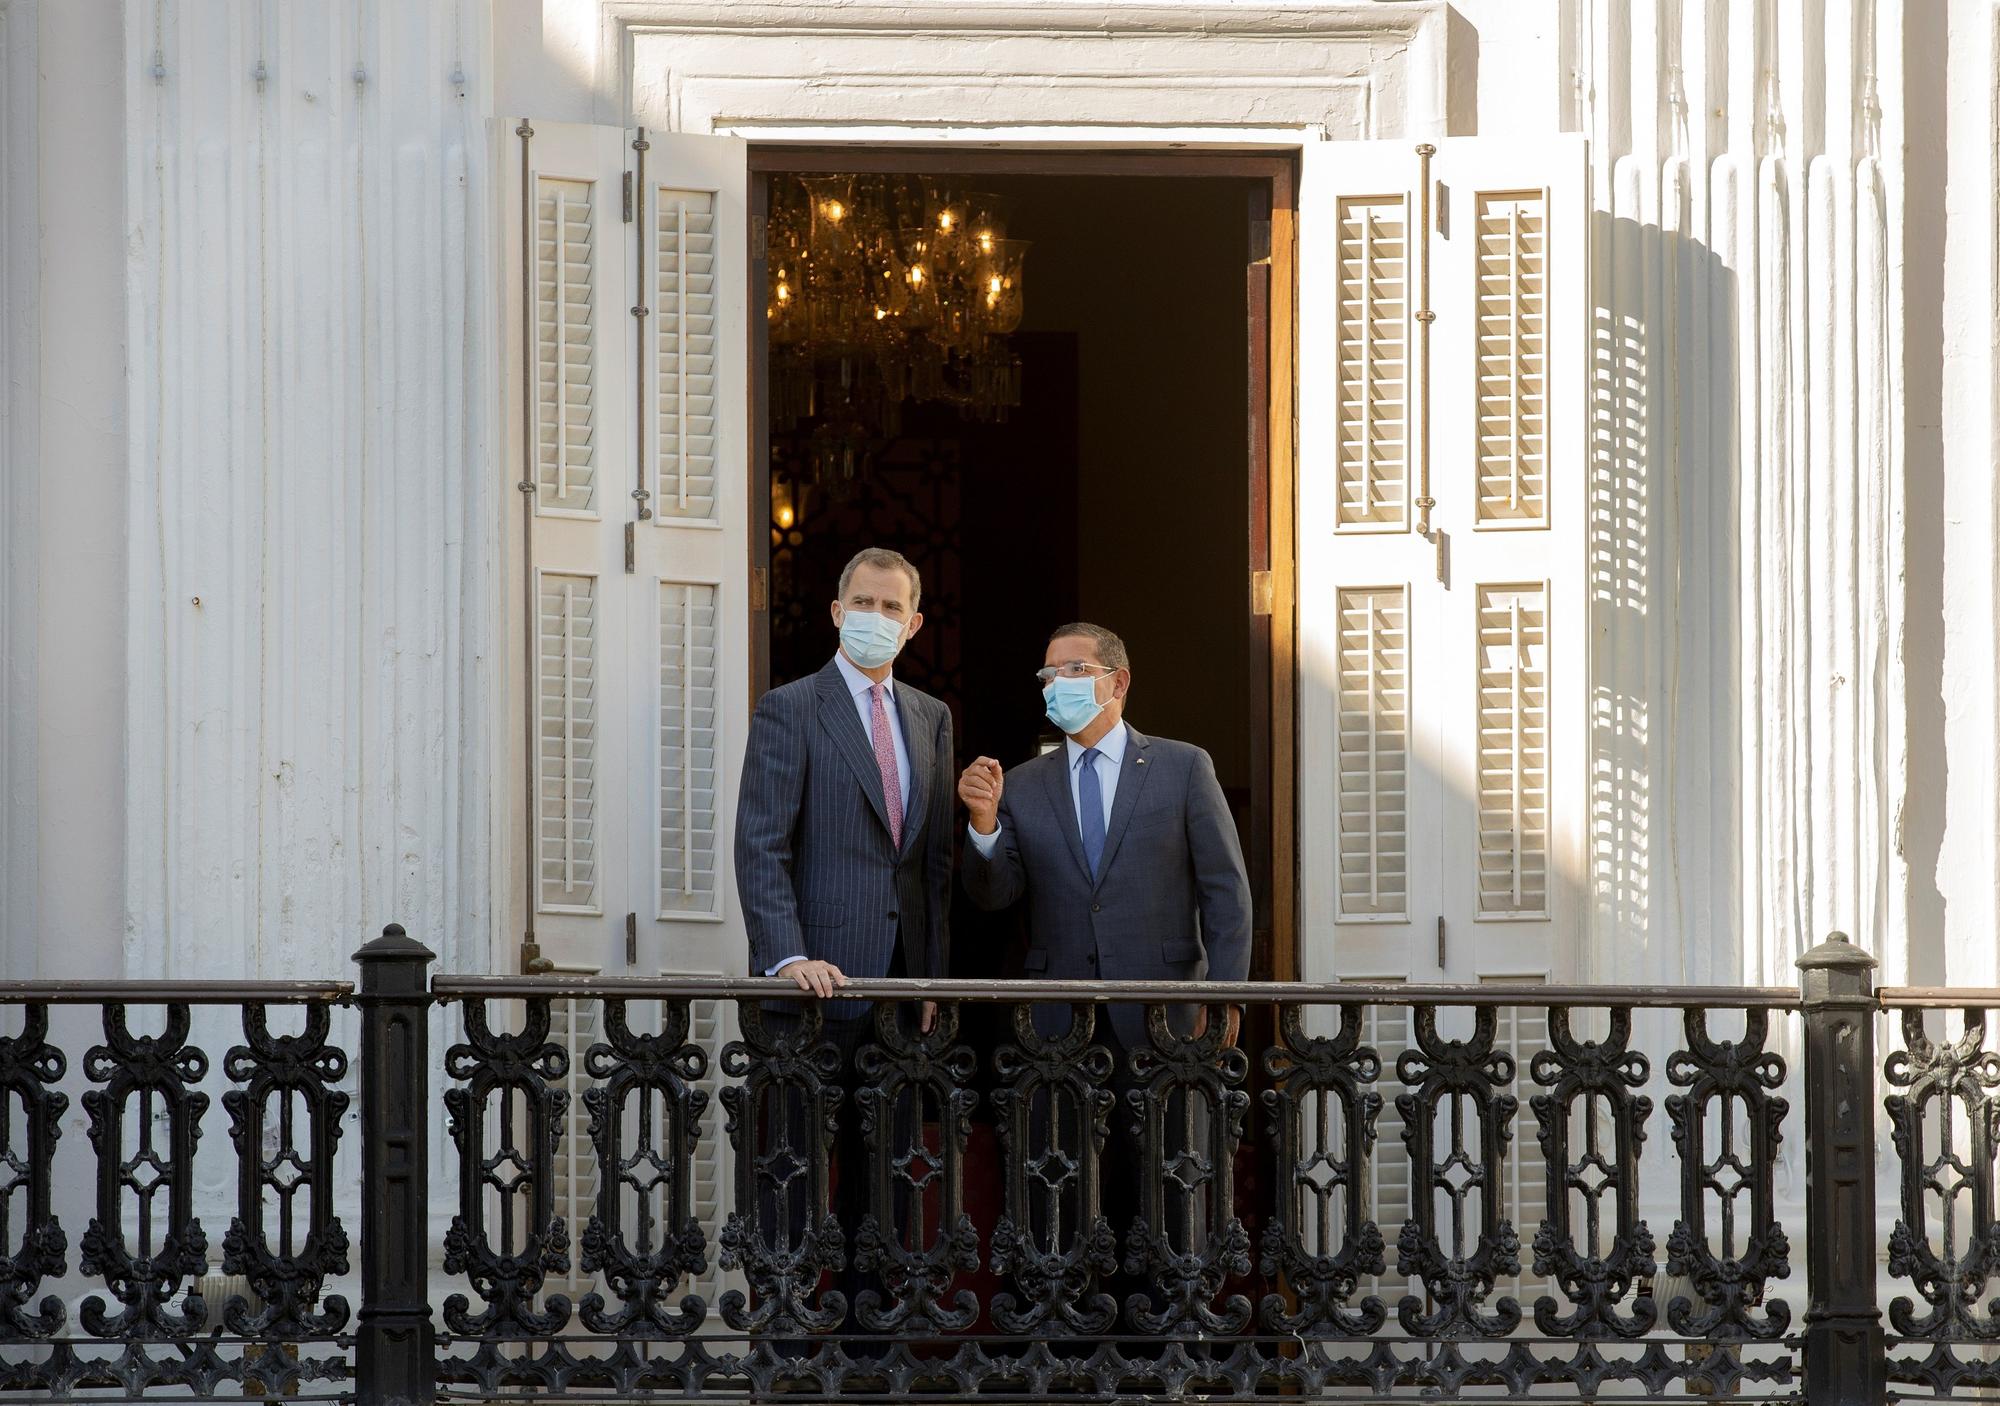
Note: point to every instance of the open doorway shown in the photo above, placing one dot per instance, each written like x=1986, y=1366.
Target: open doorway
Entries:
x=1129, y=486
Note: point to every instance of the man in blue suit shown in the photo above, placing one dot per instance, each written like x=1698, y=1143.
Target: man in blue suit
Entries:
x=844, y=841
x=1125, y=852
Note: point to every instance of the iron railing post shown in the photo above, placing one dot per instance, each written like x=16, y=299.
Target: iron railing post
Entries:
x=1844, y=1348
x=394, y=1355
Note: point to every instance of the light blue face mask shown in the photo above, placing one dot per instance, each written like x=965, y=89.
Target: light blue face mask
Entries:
x=1071, y=704
x=870, y=638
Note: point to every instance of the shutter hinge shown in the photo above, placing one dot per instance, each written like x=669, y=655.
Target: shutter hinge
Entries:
x=1262, y=593
x=760, y=588
x=1440, y=942
x=760, y=245
x=631, y=939
x=1260, y=241
x=628, y=197
x=631, y=547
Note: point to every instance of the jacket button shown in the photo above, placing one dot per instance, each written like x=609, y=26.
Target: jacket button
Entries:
x=1097, y=907
x=1093, y=959
x=892, y=912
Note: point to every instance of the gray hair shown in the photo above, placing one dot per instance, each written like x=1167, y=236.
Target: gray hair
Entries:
x=882, y=559
x=1110, y=649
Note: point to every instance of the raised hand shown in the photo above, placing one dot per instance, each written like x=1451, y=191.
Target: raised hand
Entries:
x=980, y=789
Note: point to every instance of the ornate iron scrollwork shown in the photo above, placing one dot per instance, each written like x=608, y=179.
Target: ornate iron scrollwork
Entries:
x=1731, y=1078
x=1586, y=1076
x=931, y=1071
x=1057, y=1157
x=649, y=1085
x=1957, y=1079
x=1458, y=1077
x=1322, y=1110
x=779, y=1076
x=513, y=1077
x=285, y=1075
x=30, y=1069
x=153, y=1077
x=1190, y=1177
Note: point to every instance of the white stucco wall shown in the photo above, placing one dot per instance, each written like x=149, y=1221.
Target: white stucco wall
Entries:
x=1795, y=670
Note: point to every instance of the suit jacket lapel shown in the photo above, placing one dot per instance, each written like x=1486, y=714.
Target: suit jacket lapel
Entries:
x=1131, y=781
x=918, y=736
x=1055, y=776
x=843, y=724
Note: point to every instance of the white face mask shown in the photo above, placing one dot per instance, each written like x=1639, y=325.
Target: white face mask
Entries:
x=1071, y=704
x=870, y=638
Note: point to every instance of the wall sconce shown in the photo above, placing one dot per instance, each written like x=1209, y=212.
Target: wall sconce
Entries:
x=788, y=504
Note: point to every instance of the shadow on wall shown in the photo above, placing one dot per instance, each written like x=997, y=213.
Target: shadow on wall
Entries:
x=1667, y=718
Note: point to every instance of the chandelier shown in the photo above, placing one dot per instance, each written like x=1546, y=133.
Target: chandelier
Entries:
x=886, y=290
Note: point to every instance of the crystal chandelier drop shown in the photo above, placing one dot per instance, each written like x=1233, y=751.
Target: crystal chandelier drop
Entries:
x=885, y=290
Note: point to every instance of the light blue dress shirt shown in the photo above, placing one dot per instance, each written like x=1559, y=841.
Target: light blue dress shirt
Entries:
x=858, y=684
x=1110, y=762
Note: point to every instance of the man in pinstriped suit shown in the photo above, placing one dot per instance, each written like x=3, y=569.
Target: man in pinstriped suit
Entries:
x=844, y=838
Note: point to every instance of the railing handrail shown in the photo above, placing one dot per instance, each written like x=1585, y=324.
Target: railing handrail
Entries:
x=459, y=988
x=166, y=992
x=1936, y=997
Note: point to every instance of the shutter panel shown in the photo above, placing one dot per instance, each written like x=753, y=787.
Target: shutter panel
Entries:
x=567, y=736
x=1523, y=1032
x=1373, y=725
x=689, y=558
x=1512, y=725
x=1387, y=1029
x=1512, y=333
x=1372, y=385
x=710, y=1170
x=565, y=345
x=687, y=774
x=573, y=1024
x=1443, y=698
x=684, y=304
x=569, y=424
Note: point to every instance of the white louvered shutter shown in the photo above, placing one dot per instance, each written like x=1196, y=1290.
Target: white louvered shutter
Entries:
x=713, y=1027
x=627, y=397
x=567, y=334
x=689, y=553
x=1523, y=1032
x=569, y=420
x=684, y=271
x=1387, y=1028
x=687, y=749
x=1443, y=695
x=573, y=1024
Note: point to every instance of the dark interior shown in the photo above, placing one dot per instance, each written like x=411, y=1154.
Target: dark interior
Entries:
x=1118, y=492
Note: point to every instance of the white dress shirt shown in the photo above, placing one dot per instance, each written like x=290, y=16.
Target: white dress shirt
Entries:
x=1110, y=761
x=858, y=684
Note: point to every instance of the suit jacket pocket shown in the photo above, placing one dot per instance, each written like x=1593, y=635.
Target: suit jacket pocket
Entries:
x=815, y=914
x=1185, y=949
x=1036, y=960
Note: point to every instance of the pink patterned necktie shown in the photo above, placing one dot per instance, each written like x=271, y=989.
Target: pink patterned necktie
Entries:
x=885, y=758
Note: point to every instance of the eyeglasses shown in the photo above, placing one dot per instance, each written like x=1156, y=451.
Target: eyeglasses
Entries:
x=1074, y=669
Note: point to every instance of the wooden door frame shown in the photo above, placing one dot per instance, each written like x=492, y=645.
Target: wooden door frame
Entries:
x=1271, y=292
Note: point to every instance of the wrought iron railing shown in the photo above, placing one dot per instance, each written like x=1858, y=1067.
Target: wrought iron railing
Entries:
x=142, y=1324
x=695, y=1188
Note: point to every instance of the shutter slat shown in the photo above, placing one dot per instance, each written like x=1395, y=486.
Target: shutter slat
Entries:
x=1370, y=373
x=565, y=345
x=1373, y=751
x=684, y=296
x=1512, y=345
x=1512, y=727
x=567, y=741
x=688, y=775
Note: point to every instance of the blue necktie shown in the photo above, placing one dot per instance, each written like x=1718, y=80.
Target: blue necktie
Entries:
x=1090, y=802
